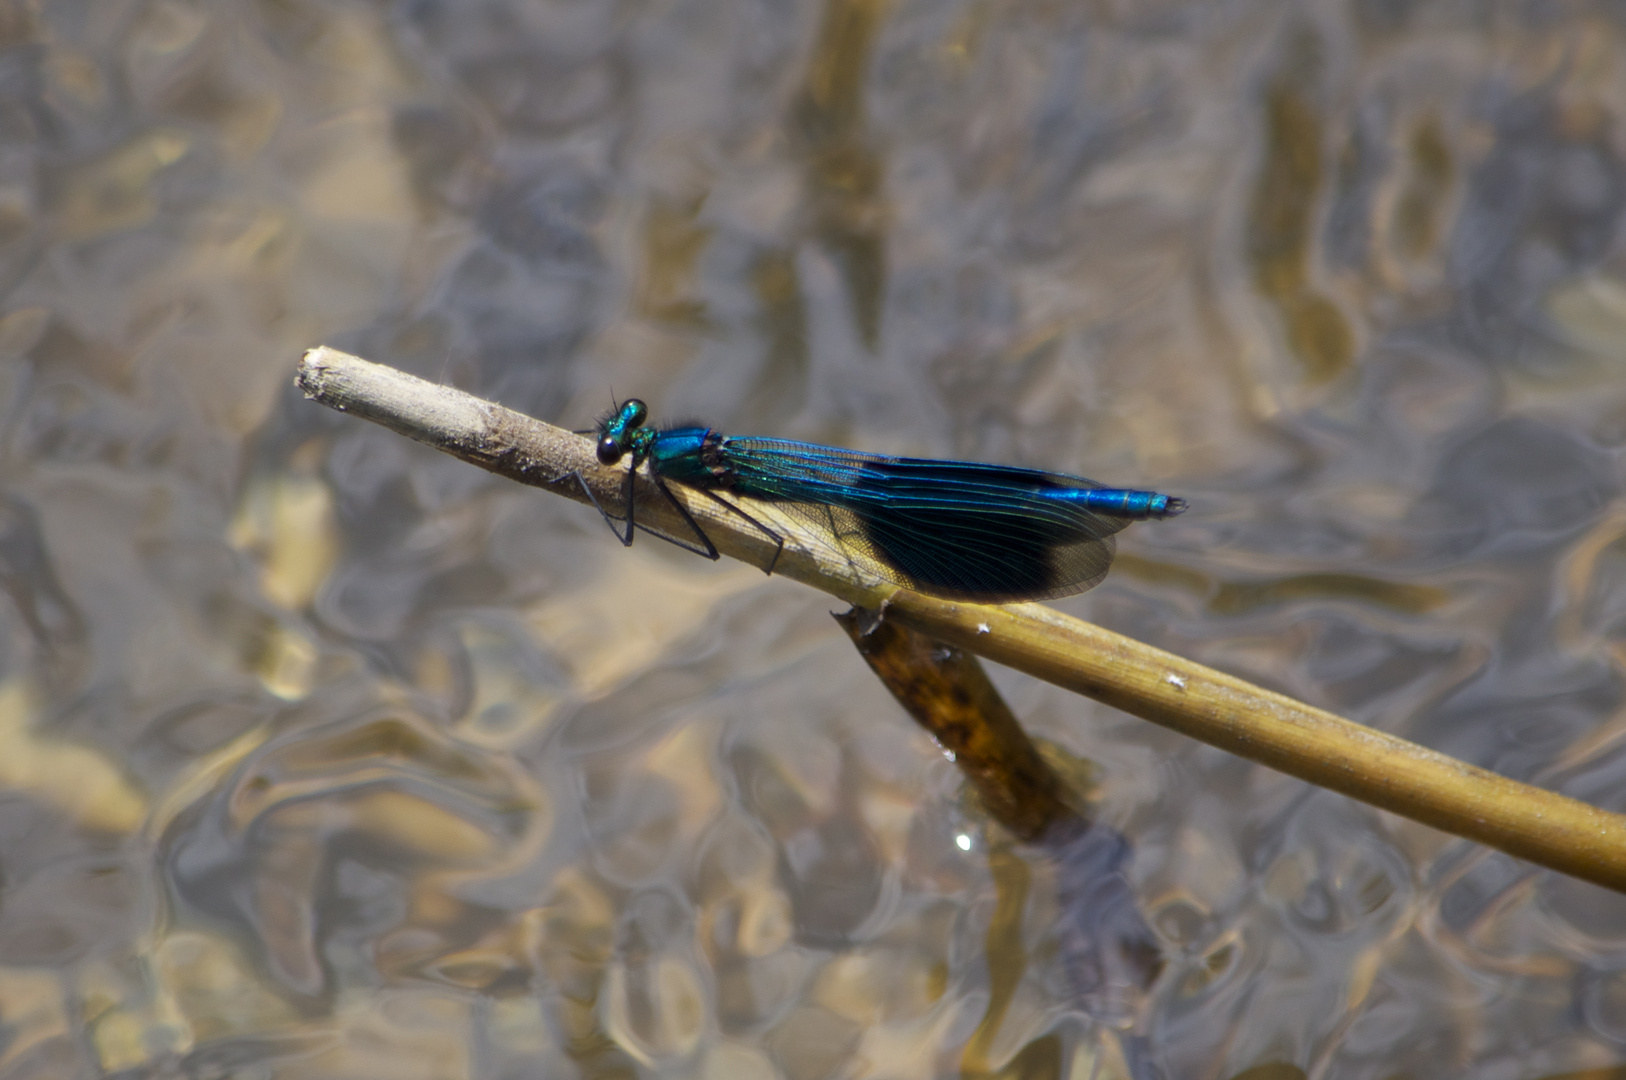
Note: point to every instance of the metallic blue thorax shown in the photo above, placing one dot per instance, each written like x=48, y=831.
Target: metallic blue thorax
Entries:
x=689, y=455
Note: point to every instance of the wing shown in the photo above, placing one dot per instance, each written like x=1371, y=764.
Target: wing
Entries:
x=987, y=533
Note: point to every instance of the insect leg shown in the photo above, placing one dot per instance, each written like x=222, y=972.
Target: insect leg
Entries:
x=709, y=551
x=625, y=538
x=705, y=547
x=779, y=541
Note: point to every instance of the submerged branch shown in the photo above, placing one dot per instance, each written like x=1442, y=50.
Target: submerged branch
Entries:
x=1272, y=729
x=950, y=695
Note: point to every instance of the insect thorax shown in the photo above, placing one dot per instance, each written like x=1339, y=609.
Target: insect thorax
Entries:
x=693, y=456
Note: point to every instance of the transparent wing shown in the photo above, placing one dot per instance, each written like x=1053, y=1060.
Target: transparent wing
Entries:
x=948, y=528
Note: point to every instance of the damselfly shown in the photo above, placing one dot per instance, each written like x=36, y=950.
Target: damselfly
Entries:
x=955, y=529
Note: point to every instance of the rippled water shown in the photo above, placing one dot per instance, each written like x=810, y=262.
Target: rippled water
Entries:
x=323, y=756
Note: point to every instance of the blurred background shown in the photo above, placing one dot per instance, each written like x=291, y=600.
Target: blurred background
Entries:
x=324, y=756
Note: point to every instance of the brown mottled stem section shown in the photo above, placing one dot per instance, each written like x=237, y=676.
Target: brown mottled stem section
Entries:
x=1364, y=763
x=949, y=694
x=481, y=432
x=525, y=449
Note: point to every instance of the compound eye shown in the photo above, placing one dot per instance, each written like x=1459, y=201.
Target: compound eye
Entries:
x=634, y=413
x=609, y=450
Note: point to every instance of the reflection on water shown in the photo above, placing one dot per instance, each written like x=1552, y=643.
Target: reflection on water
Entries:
x=320, y=756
